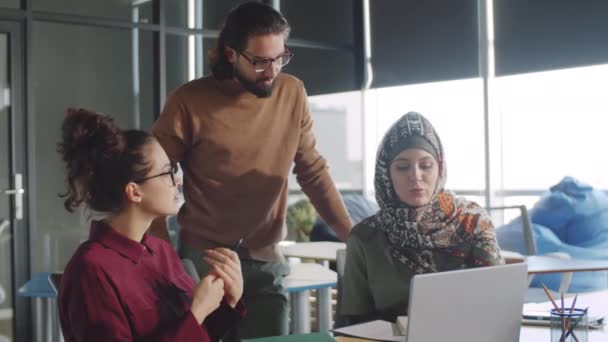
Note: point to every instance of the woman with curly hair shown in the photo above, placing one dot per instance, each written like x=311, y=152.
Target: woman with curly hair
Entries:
x=121, y=284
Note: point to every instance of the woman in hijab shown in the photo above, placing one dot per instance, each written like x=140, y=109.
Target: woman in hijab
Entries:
x=420, y=227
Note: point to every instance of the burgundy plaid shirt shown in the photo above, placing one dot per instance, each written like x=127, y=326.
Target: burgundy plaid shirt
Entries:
x=116, y=289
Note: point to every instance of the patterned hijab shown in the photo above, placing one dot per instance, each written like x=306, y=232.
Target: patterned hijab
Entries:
x=447, y=224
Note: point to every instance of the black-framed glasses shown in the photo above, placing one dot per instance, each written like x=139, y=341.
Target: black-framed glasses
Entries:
x=171, y=173
x=261, y=64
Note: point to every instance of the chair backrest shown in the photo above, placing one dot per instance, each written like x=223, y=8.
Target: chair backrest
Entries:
x=527, y=233
x=359, y=208
x=340, y=262
x=530, y=246
x=340, y=265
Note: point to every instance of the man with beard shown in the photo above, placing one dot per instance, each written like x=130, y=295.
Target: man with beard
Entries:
x=236, y=134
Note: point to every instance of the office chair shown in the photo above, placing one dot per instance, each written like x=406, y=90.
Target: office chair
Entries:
x=528, y=233
x=531, y=249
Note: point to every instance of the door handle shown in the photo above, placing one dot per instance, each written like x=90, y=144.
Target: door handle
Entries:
x=17, y=194
x=14, y=191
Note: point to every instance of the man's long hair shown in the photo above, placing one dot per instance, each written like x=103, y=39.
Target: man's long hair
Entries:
x=246, y=20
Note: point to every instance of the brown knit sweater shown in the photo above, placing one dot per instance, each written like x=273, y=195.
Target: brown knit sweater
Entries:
x=236, y=151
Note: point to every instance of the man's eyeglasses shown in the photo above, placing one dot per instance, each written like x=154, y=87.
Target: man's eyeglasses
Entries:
x=261, y=64
x=171, y=173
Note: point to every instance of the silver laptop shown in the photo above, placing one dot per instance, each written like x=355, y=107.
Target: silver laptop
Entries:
x=473, y=305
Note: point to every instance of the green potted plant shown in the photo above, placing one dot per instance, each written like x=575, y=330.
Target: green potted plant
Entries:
x=301, y=217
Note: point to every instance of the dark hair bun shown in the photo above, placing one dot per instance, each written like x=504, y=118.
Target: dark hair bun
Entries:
x=89, y=140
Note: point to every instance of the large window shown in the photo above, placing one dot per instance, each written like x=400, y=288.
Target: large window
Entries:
x=454, y=108
x=337, y=128
x=554, y=125
x=549, y=110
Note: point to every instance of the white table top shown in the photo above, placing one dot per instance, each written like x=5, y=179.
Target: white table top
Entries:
x=545, y=264
x=320, y=251
x=326, y=251
x=309, y=276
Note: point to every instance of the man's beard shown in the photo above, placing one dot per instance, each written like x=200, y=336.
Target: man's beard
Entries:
x=252, y=86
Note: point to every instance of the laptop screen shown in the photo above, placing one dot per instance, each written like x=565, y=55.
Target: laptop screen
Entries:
x=474, y=305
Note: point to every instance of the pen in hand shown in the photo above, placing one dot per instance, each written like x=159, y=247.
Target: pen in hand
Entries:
x=238, y=244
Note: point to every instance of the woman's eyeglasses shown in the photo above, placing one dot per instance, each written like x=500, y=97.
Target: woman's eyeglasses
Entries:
x=171, y=173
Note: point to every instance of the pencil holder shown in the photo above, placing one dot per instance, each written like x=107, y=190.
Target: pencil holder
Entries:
x=569, y=325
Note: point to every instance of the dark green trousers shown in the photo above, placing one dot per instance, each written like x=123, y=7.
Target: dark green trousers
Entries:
x=264, y=294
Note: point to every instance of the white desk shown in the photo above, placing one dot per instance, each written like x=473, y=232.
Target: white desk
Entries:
x=306, y=277
x=322, y=252
x=303, y=278
x=538, y=264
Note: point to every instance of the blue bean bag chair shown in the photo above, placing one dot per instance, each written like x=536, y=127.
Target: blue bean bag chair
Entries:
x=571, y=218
x=358, y=208
x=575, y=212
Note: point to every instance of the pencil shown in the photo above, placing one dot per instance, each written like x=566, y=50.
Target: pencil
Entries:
x=550, y=297
x=569, y=320
x=573, y=303
x=578, y=320
x=564, y=319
